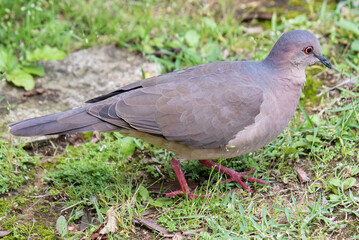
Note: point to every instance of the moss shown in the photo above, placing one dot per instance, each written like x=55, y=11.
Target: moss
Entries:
x=44, y=209
x=311, y=89
x=16, y=166
x=293, y=14
x=43, y=231
x=4, y=206
x=37, y=230
x=21, y=200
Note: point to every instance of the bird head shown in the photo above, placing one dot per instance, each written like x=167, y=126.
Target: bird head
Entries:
x=298, y=49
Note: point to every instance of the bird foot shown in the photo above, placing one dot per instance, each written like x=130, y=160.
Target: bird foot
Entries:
x=176, y=166
x=238, y=177
x=233, y=175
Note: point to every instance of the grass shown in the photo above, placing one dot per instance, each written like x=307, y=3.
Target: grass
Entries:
x=119, y=172
x=15, y=166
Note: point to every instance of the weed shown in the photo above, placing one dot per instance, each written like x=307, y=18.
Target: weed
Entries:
x=15, y=166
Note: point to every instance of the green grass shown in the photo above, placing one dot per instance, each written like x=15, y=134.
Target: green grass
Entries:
x=15, y=166
x=322, y=137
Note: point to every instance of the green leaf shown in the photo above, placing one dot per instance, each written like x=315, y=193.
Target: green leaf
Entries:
x=162, y=202
x=45, y=53
x=127, y=147
x=299, y=20
x=290, y=150
x=3, y=58
x=34, y=69
x=314, y=187
x=61, y=226
x=299, y=144
x=316, y=119
x=333, y=197
x=209, y=22
x=348, y=183
x=355, y=46
x=142, y=191
x=8, y=61
x=352, y=27
x=192, y=38
x=354, y=170
x=310, y=138
x=334, y=182
x=20, y=78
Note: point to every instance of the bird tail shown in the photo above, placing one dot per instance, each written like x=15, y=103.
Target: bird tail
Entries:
x=72, y=121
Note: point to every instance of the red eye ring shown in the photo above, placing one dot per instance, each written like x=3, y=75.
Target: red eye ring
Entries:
x=308, y=50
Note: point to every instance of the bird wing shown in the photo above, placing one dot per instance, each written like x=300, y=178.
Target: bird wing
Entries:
x=202, y=111
x=188, y=73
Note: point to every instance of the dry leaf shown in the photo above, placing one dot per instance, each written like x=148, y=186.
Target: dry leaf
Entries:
x=148, y=212
x=301, y=175
x=254, y=30
x=177, y=236
x=111, y=225
x=4, y=233
x=76, y=140
x=85, y=220
x=33, y=92
x=152, y=225
x=96, y=235
x=95, y=137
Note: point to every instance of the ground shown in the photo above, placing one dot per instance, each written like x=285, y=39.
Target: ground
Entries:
x=74, y=187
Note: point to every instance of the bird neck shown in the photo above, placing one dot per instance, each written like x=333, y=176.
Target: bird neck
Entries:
x=277, y=60
x=287, y=72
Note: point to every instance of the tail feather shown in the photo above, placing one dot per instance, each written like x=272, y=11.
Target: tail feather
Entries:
x=101, y=127
x=72, y=121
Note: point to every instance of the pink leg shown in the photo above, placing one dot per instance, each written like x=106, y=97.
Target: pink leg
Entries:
x=176, y=166
x=233, y=175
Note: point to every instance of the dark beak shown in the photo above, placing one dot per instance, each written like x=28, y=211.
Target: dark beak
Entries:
x=324, y=61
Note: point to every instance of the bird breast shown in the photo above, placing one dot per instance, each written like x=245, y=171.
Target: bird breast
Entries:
x=276, y=111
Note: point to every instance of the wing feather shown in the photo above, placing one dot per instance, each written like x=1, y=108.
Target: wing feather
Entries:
x=200, y=107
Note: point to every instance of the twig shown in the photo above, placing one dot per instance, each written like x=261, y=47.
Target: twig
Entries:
x=64, y=209
x=40, y=196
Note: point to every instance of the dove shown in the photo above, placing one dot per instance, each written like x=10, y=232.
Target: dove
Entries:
x=211, y=111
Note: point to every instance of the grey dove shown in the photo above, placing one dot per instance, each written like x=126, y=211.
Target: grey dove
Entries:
x=215, y=110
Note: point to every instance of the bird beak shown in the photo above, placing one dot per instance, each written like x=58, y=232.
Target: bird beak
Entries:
x=323, y=60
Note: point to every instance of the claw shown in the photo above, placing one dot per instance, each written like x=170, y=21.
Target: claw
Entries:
x=233, y=176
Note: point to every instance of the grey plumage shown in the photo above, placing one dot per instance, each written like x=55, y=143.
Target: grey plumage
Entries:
x=213, y=110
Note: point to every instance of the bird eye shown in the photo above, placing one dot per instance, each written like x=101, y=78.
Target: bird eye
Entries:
x=308, y=50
